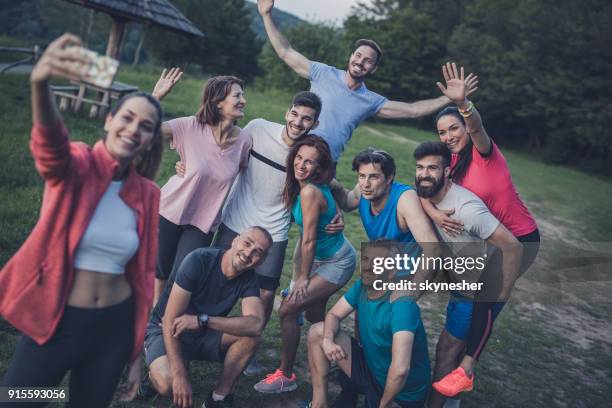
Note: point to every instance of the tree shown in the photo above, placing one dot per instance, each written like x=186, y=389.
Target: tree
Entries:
x=542, y=87
x=230, y=46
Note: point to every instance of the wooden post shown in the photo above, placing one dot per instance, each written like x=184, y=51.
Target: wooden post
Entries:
x=112, y=50
x=140, y=44
x=115, y=38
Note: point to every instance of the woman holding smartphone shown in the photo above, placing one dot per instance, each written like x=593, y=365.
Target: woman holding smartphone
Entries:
x=80, y=288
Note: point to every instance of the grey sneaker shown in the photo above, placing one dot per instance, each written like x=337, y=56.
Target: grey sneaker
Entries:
x=253, y=368
x=276, y=383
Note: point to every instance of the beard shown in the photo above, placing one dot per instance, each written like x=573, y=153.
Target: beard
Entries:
x=361, y=77
x=294, y=138
x=428, y=191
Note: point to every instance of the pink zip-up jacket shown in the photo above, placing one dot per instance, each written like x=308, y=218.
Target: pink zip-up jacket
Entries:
x=36, y=281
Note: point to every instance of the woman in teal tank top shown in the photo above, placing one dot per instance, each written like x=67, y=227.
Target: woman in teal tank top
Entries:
x=325, y=262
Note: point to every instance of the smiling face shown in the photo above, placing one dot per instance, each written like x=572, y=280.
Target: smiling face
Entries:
x=363, y=62
x=299, y=121
x=373, y=184
x=131, y=130
x=232, y=107
x=430, y=176
x=452, y=132
x=249, y=249
x=305, y=164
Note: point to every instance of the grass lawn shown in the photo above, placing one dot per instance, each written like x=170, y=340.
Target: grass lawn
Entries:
x=551, y=347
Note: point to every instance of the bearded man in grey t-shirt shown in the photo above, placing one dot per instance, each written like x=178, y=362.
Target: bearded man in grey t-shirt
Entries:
x=466, y=327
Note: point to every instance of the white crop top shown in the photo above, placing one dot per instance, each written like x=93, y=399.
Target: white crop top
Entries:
x=111, y=238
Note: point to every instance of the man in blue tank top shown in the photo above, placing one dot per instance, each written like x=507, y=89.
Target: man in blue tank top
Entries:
x=388, y=209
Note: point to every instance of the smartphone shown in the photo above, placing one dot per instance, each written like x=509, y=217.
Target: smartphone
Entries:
x=101, y=70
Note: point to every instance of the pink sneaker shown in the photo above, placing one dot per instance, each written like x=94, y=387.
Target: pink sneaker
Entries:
x=454, y=382
x=276, y=383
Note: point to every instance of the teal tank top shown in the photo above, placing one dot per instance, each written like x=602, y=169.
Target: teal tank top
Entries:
x=327, y=244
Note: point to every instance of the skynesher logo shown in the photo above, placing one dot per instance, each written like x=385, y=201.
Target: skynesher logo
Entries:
x=459, y=265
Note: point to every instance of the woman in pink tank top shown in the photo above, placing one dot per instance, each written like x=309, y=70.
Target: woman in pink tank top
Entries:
x=478, y=165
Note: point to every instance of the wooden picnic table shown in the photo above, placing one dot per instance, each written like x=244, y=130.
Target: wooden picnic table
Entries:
x=77, y=94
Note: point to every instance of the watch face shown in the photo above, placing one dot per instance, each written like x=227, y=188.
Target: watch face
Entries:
x=204, y=318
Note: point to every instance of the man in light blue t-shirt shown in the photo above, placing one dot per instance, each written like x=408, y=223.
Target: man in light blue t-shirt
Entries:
x=346, y=100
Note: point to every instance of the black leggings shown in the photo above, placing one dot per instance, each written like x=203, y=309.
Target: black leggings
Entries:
x=484, y=312
x=175, y=242
x=93, y=344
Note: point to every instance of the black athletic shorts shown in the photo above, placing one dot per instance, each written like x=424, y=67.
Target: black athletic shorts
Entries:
x=195, y=345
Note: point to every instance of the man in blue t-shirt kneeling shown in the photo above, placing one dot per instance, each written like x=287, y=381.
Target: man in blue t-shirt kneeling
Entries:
x=391, y=364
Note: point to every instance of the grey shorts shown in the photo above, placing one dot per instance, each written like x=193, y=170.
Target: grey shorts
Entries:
x=204, y=346
x=269, y=272
x=339, y=268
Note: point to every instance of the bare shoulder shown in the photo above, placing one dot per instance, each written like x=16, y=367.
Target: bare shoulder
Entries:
x=310, y=192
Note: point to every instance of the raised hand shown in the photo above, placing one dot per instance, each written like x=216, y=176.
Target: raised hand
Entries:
x=62, y=60
x=458, y=87
x=166, y=82
x=265, y=6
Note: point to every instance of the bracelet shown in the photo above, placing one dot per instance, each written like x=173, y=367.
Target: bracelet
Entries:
x=467, y=112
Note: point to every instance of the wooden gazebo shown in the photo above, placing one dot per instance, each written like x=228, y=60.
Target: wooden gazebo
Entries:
x=160, y=13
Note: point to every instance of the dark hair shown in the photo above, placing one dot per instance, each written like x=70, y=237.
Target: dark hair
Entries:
x=433, y=149
x=464, y=157
x=309, y=100
x=371, y=155
x=263, y=231
x=148, y=162
x=216, y=89
x=372, y=44
x=323, y=176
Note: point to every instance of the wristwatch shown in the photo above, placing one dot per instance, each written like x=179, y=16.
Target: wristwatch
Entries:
x=202, y=321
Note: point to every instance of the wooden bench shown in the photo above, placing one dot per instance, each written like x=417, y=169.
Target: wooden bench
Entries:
x=74, y=96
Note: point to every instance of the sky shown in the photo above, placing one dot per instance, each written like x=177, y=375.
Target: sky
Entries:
x=316, y=10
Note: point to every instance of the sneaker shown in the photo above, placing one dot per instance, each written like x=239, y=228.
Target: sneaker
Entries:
x=455, y=382
x=276, y=383
x=253, y=368
x=228, y=401
x=304, y=404
x=146, y=390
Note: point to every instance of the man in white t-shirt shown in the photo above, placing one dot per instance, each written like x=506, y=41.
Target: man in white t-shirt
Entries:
x=346, y=100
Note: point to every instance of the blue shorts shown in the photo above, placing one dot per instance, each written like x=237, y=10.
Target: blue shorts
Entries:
x=459, y=315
